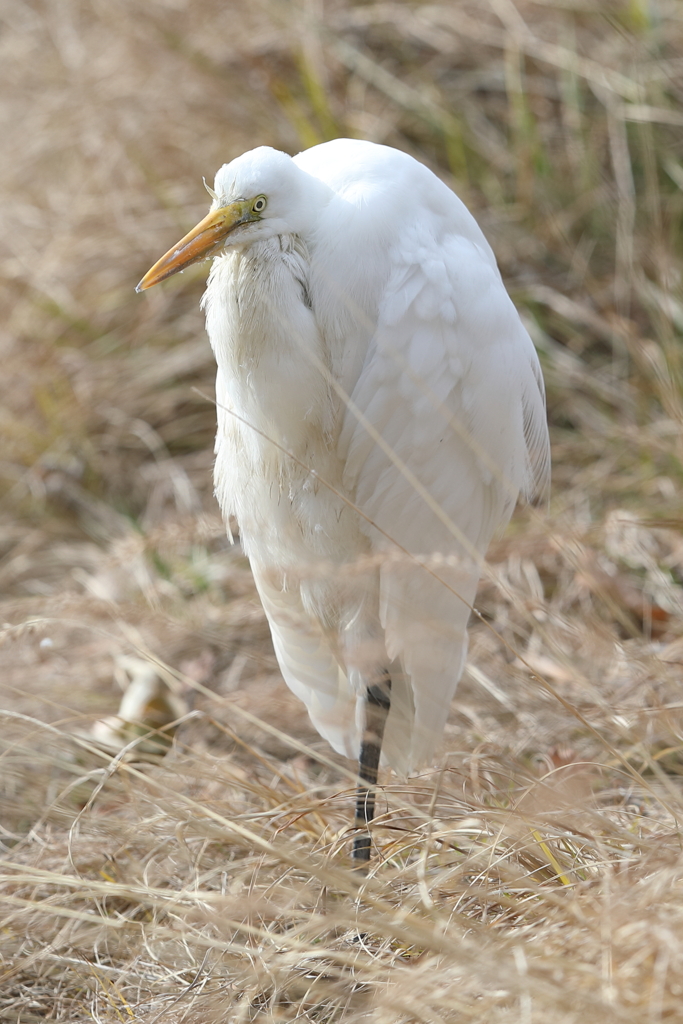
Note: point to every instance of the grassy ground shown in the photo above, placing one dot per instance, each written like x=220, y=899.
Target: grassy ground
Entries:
x=535, y=872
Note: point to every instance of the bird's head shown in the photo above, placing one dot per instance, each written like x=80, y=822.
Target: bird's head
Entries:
x=260, y=194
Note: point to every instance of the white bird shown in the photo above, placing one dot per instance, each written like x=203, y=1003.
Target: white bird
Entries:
x=379, y=403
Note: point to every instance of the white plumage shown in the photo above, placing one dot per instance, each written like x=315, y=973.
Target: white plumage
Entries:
x=359, y=321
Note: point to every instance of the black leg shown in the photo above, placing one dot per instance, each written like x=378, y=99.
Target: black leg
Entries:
x=377, y=704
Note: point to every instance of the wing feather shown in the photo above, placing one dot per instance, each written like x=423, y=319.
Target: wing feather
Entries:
x=459, y=400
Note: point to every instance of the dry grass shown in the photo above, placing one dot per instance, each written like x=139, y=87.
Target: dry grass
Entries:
x=536, y=873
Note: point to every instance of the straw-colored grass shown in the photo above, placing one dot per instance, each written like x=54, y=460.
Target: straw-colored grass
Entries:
x=535, y=872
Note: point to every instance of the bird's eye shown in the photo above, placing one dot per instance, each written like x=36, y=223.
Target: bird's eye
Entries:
x=259, y=204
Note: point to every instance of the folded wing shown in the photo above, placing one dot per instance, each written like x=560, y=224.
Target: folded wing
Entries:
x=452, y=387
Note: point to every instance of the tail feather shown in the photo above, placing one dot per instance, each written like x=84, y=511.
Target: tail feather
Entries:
x=429, y=651
x=310, y=668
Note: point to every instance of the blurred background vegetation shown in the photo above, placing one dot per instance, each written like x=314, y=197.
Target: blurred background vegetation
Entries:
x=560, y=124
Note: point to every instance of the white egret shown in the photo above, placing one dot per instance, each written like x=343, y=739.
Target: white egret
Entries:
x=379, y=402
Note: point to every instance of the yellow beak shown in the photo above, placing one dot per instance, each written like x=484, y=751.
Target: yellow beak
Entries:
x=198, y=244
